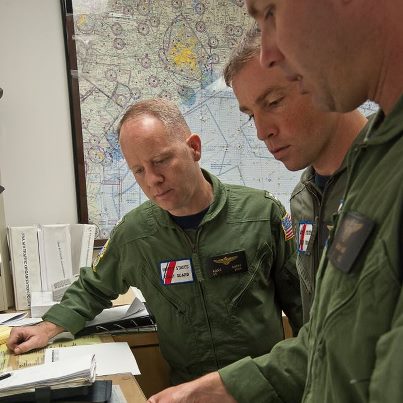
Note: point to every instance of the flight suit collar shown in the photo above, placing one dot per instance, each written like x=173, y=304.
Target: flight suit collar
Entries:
x=385, y=128
x=163, y=217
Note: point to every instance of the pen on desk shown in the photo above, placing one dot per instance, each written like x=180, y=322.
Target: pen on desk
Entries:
x=4, y=376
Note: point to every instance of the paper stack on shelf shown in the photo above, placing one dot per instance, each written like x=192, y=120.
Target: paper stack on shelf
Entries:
x=23, y=242
x=70, y=372
x=55, y=254
x=82, y=245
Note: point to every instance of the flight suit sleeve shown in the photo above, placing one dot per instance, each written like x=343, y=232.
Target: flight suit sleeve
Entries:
x=285, y=274
x=278, y=376
x=92, y=292
x=385, y=384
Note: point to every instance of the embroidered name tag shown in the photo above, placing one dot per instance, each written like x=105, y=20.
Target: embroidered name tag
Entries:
x=176, y=272
x=353, y=231
x=234, y=262
x=304, y=235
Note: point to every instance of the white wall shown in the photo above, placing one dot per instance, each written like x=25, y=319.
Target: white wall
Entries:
x=36, y=156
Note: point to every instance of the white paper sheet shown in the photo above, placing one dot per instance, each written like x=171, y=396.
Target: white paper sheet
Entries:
x=111, y=358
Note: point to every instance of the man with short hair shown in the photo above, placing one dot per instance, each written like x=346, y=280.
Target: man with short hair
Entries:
x=342, y=53
x=212, y=260
x=300, y=135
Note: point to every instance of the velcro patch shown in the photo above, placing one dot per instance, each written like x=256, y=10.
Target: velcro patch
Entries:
x=354, y=229
x=305, y=230
x=286, y=223
x=234, y=262
x=176, y=272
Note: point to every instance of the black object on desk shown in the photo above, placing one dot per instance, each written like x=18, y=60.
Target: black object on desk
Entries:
x=139, y=323
x=98, y=392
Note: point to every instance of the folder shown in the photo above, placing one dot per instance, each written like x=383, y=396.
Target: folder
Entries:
x=23, y=242
x=55, y=254
x=82, y=245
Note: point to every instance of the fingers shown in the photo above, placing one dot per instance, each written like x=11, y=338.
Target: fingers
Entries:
x=24, y=339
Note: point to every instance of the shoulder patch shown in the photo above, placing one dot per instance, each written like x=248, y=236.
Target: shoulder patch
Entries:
x=286, y=223
x=100, y=256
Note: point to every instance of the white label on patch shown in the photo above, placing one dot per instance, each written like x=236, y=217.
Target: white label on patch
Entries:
x=304, y=235
x=176, y=272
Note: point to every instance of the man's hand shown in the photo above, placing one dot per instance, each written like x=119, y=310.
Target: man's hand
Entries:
x=26, y=338
x=207, y=389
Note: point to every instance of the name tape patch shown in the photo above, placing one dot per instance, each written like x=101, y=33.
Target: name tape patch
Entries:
x=304, y=235
x=176, y=272
x=234, y=262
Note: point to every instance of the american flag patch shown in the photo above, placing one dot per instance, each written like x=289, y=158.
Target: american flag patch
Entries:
x=286, y=223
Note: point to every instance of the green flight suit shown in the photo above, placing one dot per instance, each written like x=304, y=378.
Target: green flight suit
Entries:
x=312, y=214
x=215, y=313
x=312, y=211
x=351, y=349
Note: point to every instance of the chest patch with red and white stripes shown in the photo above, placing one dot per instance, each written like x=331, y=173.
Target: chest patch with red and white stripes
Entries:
x=304, y=235
x=176, y=272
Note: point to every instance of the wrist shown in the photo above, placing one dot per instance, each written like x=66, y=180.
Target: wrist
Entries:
x=50, y=329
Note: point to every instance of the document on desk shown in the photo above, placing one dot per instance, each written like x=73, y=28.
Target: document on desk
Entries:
x=111, y=358
x=73, y=371
x=6, y=318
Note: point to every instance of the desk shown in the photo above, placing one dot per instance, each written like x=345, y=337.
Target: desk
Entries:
x=153, y=367
x=127, y=382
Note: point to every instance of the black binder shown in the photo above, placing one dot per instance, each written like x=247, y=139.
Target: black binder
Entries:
x=98, y=392
x=125, y=325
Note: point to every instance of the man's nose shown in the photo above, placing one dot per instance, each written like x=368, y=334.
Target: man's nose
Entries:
x=264, y=129
x=270, y=54
x=153, y=177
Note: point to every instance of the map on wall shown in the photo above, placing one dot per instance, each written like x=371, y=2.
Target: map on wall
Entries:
x=128, y=50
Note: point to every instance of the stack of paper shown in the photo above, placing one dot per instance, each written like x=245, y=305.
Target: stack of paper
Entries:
x=70, y=372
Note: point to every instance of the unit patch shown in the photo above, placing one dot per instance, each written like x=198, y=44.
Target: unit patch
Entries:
x=176, y=272
x=100, y=256
x=353, y=231
x=234, y=262
x=305, y=229
x=286, y=223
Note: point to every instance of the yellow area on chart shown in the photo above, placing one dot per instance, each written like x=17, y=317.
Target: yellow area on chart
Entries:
x=38, y=356
x=183, y=54
x=4, y=357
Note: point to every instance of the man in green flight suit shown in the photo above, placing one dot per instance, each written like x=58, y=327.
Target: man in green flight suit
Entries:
x=300, y=135
x=343, y=53
x=212, y=260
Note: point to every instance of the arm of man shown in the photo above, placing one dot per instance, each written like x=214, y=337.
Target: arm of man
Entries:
x=206, y=389
x=26, y=338
x=285, y=274
x=385, y=384
x=277, y=377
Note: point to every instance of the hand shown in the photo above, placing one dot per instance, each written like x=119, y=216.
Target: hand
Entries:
x=26, y=338
x=207, y=389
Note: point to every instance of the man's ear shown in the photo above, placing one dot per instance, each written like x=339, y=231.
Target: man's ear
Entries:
x=194, y=142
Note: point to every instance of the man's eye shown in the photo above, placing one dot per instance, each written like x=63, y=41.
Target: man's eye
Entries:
x=138, y=171
x=269, y=12
x=274, y=103
x=250, y=118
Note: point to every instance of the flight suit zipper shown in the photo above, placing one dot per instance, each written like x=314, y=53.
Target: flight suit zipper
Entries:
x=199, y=275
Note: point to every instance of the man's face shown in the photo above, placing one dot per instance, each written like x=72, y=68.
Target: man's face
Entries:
x=304, y=38
x=163, y=166
x=294, y=131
